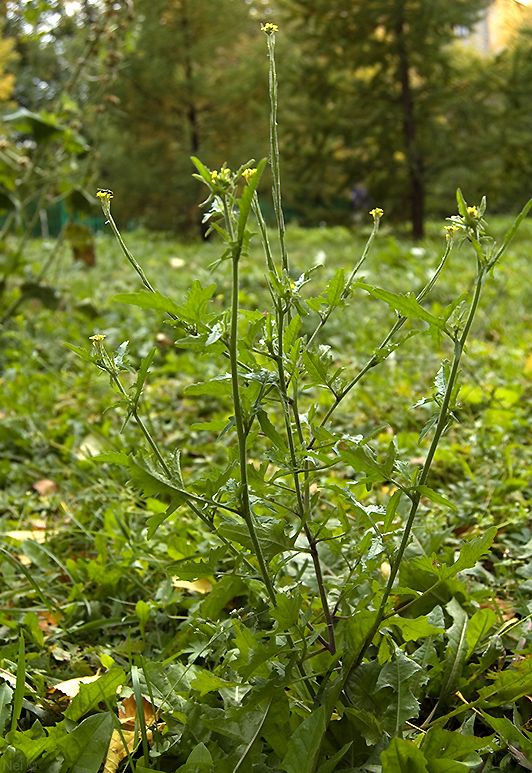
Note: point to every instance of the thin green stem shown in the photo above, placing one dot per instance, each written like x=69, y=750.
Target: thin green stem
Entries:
x=241, y=429
x=349, y=283
x=274, y=154
x=438, y=432
x=376, y=359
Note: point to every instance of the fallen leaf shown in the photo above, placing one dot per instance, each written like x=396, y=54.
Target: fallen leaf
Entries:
x=37, y=535
x=71, y=686
x=198, y=586
x=45, y=487
x=127, y=712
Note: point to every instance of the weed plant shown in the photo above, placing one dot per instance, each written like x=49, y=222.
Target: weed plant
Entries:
x=333, y=622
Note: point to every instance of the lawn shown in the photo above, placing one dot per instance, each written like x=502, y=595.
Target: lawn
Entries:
x=97, y=582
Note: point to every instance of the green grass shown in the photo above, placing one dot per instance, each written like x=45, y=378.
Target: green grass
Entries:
x=77, y=593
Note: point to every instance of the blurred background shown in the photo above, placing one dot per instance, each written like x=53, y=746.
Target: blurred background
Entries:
x=390, y=103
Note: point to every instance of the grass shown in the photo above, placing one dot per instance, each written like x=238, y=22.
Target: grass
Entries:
x=82, y=581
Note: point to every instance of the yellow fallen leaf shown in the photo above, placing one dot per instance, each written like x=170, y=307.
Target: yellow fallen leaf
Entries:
x=23, y=534
x=198, y=586
x=127, y=712
x=117, y=751
x=71, y=686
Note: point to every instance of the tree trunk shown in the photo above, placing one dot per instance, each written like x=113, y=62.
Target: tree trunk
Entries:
x=414, y=155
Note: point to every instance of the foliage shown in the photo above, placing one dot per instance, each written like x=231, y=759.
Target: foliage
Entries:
x=191, y=85
x=46, y=157
x=315, y=582
x=375, y=101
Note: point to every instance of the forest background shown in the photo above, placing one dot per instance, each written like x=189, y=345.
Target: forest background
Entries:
x=386, y=103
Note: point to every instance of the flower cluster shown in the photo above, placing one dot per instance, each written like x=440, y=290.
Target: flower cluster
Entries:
x=269, y=29
x=377, y=213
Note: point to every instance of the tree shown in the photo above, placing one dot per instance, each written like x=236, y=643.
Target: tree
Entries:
x=378, y=83
x=194, y=83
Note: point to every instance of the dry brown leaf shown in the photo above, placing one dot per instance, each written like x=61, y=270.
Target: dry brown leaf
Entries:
x=127, y=711
x=198, y=586
x=45, y=487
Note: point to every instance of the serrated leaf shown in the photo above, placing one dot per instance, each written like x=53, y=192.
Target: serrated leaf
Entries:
x=206, y=682
x=402, y=703
x=412, y=630
x=455, y=656
x=271, y=536
x=444, y=744
x=335, y=288
x=315, y=367
x=509, y=685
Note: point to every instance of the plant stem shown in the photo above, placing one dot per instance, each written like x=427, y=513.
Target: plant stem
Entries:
x=375, y=359
x=274, y=154
x=438, y=432
x=240, y=426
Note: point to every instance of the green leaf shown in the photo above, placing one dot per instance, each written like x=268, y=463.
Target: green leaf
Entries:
x=305, y=743
x=479, y=626
x=335, y=288
x=142, y=374
x=445, y=745
x=13, y=761
x=83, y=353
x=434, y=496
x=402, y=704
x=330, y=765
x=316, y=368
x=148, y=300
x=199, y=761
x=407, y=305
x=366, y=723
x=218, y=386
x=471, y=552
x=455, y=656
x=287, y=609
x=509, y=685
x=6, y=693
x=206, y=682
x=204, y=172
x=412, y=630
x=271, y=536
x=92, y=693
x=403, y=757
x=86, y=746
x=270, y=431
x=357, y=627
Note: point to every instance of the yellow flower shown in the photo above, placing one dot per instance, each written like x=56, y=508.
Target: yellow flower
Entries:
x=247, y=174
x=97, y=338
x=450, y=231
x=473, y=212
x=269, y=29
x=377, y=213
x=104, y=194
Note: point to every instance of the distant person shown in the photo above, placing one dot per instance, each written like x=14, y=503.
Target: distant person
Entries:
x=360, y=201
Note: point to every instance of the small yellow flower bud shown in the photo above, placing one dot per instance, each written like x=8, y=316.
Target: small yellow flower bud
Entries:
x=104, y=194
x=97, y=338
x=473, y=212
x=247, y=174
x=377, y=213
x=269, y=29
